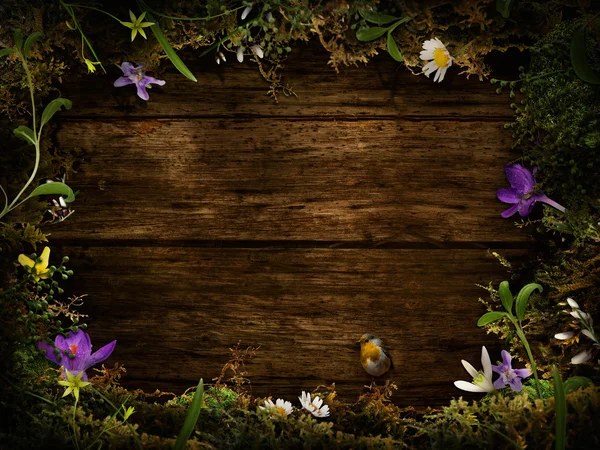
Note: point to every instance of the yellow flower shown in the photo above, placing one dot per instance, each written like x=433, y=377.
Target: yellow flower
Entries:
x=90, y=65
x=40, y=269
x=73, y=384
x=137, y=25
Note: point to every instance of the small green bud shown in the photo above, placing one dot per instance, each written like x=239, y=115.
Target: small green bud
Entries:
x=65, y=259
x=70, y=273
x=65, y=277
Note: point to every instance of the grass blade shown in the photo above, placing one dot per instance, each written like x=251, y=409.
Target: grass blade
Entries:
x=191, y=418
x=164, y=43
x=560, y=405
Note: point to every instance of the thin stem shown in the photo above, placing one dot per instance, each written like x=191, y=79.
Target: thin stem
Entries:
x=131, y=430
x=529, y=354
x=35, y=134
x=144, y=5
x=75, y=434
x=77, y=5
x=25, y=391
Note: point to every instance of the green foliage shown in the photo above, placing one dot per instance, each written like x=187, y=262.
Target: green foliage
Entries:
x=557, y=130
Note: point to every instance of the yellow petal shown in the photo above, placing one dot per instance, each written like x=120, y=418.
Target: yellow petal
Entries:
x=132, y=16
x=143, y=33
x=128, y=24
x=64, y=383
x=76, y=393
x=133, y=33
x=25, y=261
x=141, y=16
x=146, y=24
x=43, y=265
x=67, y=391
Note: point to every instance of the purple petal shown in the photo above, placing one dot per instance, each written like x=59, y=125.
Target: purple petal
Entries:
x=81, y=343
x=43, y=345
x=123, y=81
x=152, y=80
x=510, y=211
x=526, y=206
x=515, y=384
x=520, y=178
x=100, y=355
x=506, y=358
x=522, y=373
x=61, y=343
x=499, y=383
x=128, y=68
x=498, y=369
x=141, y=91
x=508, y=196
x=541, y=197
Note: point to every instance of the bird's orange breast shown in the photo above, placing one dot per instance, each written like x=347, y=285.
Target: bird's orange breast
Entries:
x=369, y=351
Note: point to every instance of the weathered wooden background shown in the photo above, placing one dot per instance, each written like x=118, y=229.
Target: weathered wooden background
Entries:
x=211, y=215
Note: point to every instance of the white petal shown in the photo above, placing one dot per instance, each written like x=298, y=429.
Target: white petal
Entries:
x=469, y=368
x=579, y=314
x=564, y=336
x=572, y=303
x=470, y=387
x=588, y=334
x=246, y=12
x=426, y=55
x=240, y=54
x=582, y=357
x=257, y=50
x=486, y=363
x=430, y=68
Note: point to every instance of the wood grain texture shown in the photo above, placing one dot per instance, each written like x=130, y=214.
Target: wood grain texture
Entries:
x=259, y=179
x=211, y=215
x=383, y=88
x=175, y=312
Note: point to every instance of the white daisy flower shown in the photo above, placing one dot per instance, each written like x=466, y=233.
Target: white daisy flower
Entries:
x=438, y=56
x=315, y=406
x=280, y=408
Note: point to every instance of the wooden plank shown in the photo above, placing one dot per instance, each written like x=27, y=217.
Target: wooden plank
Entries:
x=383, y=88
x=176, y=311
x=372, y=181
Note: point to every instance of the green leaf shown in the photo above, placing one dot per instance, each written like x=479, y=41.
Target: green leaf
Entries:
x=393, y=48
x=560, y=407
x=18, y=38
x=579, y=59
x=505, y=296
x=7, y=51
x=370, y=34
x=376, y=18
x=490, y=317
x=53, y=107
x=162, y=40
x=523, y=298
x=504, y=7
x=57, y=188
x=191, y=418
x=574, y=383
x=26, y=133
x=30, y=41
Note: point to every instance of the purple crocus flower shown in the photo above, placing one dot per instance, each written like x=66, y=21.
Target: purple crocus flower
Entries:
x=508, y=375
x=136, y=75
x=520, y=194
x=79, y=345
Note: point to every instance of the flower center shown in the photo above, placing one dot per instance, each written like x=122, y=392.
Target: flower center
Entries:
x=441, y=57
x=479, y=378
x=280, y=411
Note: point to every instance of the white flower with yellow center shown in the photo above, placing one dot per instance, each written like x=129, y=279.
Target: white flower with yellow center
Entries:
x=314, y=406
x=280, y=408
x=438, y=56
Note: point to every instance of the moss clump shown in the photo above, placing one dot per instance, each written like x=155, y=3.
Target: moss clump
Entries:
x=558, y=130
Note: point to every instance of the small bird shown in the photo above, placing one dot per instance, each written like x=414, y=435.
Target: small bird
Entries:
x=373, y=356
